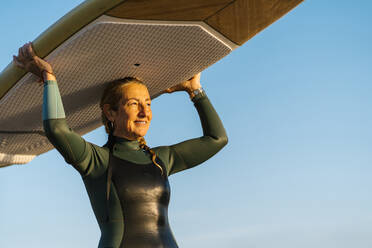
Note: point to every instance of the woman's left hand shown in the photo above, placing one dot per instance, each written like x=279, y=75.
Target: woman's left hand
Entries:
x=189, y=86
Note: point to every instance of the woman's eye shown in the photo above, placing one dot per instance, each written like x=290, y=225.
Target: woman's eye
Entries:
x=133, y=103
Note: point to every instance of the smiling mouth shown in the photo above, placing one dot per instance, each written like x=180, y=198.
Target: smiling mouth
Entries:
x=140, y=122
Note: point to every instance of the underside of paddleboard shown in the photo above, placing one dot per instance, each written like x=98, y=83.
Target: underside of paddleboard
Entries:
x=162, y=42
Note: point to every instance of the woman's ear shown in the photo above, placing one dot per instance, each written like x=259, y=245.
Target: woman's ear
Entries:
x=109, y=113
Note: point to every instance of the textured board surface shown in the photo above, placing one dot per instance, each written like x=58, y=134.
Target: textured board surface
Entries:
x=116, y=41
x=159, y=54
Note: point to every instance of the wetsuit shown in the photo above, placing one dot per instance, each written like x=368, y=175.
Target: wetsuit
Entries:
x=136, y=213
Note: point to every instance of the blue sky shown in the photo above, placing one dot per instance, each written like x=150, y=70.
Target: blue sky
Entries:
x=296, y=103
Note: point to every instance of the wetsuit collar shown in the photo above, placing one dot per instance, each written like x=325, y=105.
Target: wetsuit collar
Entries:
x=127, y=144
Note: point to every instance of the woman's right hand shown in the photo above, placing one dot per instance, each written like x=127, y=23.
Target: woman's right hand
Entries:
x=28, y=61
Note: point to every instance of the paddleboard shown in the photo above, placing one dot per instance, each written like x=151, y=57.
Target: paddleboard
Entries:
x=162, y=42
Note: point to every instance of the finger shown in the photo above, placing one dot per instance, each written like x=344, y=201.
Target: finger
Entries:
x=20, y=53
x=173, y=89
x=31, y=50
x=23, y=53
x=195, y=80
x=164, y=91
x=18, y=63
x=20, y=57
x=169, y=90
x=197, y=76
x=28, y=51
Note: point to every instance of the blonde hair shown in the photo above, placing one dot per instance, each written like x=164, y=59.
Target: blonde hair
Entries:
x=112, y=96
x=142, y=144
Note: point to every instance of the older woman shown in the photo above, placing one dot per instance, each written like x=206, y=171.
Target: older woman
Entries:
x=127, y=182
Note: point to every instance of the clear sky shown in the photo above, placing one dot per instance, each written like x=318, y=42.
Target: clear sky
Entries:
x=296, y=103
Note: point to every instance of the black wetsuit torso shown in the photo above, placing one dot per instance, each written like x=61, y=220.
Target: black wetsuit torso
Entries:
x=135, y=214
x=144, y=194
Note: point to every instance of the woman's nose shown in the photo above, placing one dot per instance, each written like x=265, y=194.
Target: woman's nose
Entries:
x=143, y=110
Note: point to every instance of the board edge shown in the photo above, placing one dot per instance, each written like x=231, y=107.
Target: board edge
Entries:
x=55, y=35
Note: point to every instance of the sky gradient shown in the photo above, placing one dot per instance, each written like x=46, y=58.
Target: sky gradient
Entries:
x=296, y=103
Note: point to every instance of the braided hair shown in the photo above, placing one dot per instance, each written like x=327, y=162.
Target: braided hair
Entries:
x=142, y=144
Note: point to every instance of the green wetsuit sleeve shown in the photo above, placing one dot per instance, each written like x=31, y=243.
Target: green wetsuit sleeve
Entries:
x=52, y=102
x=193, y=152
x=84, y=156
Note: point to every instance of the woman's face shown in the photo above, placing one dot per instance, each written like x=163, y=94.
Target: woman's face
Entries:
x=133, y=117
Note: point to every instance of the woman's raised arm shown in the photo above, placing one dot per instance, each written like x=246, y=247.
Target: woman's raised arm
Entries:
x=73, y=148
x=193, y=152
